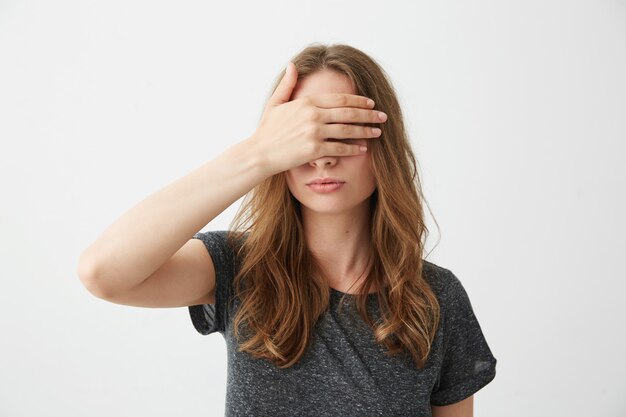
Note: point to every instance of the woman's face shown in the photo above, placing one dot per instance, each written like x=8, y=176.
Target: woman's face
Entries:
x=355, y=170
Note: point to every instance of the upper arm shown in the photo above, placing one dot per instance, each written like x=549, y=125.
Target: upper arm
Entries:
x=463, y=408
x=186, y=278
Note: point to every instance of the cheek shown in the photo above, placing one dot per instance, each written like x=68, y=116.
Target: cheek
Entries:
x=294, y=173
x=294, y=176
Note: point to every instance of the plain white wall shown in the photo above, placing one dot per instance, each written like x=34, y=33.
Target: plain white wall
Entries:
x=516, y=111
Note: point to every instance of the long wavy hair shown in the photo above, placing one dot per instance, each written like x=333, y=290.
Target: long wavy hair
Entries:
x=282, y=287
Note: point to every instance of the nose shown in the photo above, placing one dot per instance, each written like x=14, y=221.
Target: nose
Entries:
x=324, y=161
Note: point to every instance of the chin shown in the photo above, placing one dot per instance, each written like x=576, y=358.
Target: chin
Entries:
x=327, y=207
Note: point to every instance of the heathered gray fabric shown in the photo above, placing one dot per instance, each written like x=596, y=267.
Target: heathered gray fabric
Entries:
x=345, y=372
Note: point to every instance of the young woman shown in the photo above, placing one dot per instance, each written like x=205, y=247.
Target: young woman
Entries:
x=320, y=287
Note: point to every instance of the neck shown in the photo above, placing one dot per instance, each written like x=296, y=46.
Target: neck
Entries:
x=340, y=242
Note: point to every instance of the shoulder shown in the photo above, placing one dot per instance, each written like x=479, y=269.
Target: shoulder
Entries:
x=448, y=288
x=224, y=241
x=442, y=280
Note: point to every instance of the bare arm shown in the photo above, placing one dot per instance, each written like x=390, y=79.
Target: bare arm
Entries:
x=147, y=235
x=147, y=257
x=464, y=408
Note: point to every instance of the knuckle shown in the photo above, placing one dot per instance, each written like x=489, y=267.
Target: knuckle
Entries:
x=342, y=100
x=312, y=147
x=313, y=114
x=313, y=129
x=347, y=129
x=349, y=113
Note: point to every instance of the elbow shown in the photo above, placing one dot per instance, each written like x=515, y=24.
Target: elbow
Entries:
x=87, y=275
x=84, y=269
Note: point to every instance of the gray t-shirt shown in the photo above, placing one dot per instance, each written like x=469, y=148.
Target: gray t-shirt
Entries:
x=345, y=372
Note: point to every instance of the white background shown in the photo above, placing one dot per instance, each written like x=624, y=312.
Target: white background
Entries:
x=517, y=114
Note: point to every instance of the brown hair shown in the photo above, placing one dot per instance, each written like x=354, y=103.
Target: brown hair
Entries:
x=281, y=285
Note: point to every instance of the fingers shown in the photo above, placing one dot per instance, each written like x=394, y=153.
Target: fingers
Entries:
x=338, y=123
x=347, y=131
x=352, y=115
x=331, y=100
x=342, y=149
x=285, y=86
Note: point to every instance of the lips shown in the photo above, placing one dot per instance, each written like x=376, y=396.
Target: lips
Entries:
x=325, y=187
x=325, y=181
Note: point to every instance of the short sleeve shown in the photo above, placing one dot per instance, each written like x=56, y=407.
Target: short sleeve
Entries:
x=468, y=364
x=209, y=318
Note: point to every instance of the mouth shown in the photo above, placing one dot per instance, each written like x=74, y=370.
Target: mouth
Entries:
x=325, y=187
x=328, y=180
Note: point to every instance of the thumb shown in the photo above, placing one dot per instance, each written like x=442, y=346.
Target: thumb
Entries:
x=285, y=87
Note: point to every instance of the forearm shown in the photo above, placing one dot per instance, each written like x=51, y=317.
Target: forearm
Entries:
x=148, y=234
